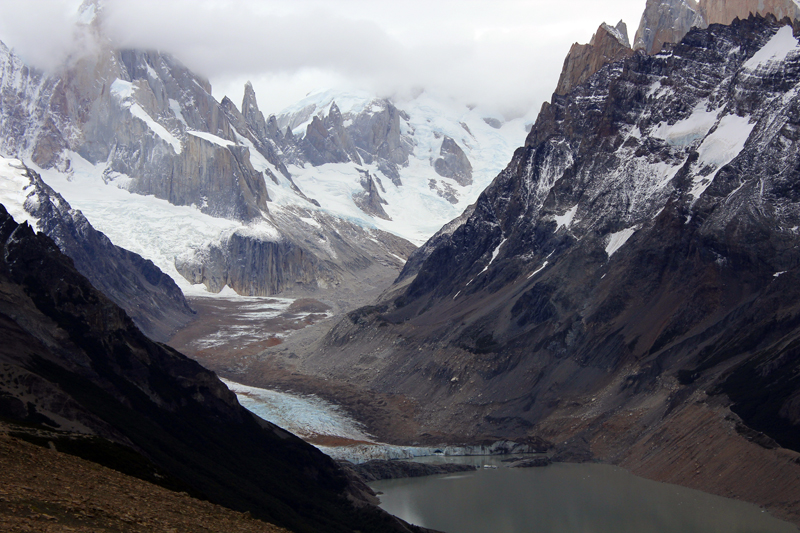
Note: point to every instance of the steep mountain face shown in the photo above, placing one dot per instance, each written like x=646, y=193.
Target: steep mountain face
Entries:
x=627, y=286
x=668, y=21
x=608, y=44
x=74, y=361
x=152, y=299
x=153, y=128
x=150, y=119
x=320, y=253
x=142, y=122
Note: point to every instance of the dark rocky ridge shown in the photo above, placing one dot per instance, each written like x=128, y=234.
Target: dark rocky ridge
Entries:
x=617, y=288
x=73, y=360
x=151, y=298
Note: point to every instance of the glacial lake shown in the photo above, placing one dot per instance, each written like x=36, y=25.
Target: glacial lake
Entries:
x=564, y=498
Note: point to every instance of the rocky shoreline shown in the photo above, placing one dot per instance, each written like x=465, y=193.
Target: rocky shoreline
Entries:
x=379, y=469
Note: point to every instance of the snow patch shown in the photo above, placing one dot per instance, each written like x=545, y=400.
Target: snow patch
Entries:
x=777, y=49
x=566, y=219
x=495, y=253
x=310, y=222
x=177, y=111
x=211, y=138
x=687, y=131
x=720, y=148
x=537, y=270
x=155, y=127
x=122, y=89
x=618, y=239
x=260, y=230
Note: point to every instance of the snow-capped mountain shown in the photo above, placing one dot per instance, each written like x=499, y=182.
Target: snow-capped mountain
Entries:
x=330, y=190
x=152, y=299
x=428, y=158
x=628, y=285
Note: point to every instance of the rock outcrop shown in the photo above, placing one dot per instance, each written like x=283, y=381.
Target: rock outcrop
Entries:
x=608, y=44
x=453, y=163
x=370, y=200
x=282, y=256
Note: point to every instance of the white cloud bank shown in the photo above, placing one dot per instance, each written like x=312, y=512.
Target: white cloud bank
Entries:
x=504, y=55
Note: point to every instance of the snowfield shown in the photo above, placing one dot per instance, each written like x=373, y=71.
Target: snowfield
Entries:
x=146, y=225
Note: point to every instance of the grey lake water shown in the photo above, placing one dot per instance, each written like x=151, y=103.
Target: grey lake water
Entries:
x=564, y=498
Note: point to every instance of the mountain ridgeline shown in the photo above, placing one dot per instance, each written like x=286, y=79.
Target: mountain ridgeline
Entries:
x=74, y=364
x=628, y=286
x=152, y=127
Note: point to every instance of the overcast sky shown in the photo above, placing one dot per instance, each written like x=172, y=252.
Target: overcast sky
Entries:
x=504, y=55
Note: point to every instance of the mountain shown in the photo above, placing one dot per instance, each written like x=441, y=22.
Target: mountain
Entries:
x=627, y=286
x=608, y=44
x=152, y=299
x=339, y=187
x=75, y=365
x=668, y=21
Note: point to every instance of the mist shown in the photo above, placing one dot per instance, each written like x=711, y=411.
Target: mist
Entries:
x=504, y=56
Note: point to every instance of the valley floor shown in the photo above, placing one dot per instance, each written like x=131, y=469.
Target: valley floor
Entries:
x=700, y=448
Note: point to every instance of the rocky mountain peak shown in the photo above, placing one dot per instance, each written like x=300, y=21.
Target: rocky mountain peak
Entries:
x=620, y=32
x=251, y=113
x=668, y=21
x=608, y=44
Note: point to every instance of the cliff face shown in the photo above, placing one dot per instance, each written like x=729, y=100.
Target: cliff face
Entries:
x=150, y=297
x=667, y=22
x=626, y=277
x=608, y=44
x=72, y=360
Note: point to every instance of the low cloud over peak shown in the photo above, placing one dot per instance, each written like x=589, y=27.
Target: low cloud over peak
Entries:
x=504, y=55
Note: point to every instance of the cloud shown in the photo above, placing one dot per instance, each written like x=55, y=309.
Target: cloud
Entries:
x=504, y=55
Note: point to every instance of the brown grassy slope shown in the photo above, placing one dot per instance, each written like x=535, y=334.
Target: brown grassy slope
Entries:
x=48, y=491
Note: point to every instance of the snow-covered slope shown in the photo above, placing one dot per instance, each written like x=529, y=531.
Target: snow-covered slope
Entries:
x=335, y=188
x=150, y=298
x=421, y=201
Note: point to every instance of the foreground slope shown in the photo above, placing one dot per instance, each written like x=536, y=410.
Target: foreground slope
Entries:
x=72, y=360
x=84, y=497
x=628, y=286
